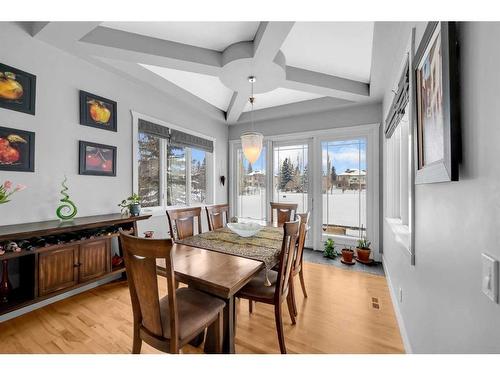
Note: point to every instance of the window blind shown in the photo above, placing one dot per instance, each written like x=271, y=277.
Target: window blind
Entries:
x=188, y=140
x=153, y=129
x=176, y=137
x=399, y=102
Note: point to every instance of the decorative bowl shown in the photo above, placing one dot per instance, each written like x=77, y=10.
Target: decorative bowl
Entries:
x=245, y=229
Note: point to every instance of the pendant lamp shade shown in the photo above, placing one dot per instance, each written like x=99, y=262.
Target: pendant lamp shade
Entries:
x=251, y=142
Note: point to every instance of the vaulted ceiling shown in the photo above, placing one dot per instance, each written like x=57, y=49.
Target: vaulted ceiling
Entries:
x=211, y=61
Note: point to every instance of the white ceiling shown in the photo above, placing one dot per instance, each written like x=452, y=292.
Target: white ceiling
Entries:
x=342, y=49
x=211, y=35
x=279, y=96
x=336, y=48
x=208, y=88
x=313, y=59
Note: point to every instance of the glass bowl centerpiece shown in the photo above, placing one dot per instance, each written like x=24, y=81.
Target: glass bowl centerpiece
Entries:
x=245, y=229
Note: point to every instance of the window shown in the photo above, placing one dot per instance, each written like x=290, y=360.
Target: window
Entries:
x=172, y=171
x=344, y=178
x=149, y=169
x=290, y=175
x=398, y=171
x=398, y=146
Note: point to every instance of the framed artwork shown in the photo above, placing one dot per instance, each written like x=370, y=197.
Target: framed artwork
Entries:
x=97, y=159
x=437, y=105
x=97, y=112
x=17, y=150
x=17, y=89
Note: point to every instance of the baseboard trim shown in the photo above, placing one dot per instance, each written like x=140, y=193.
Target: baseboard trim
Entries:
x=397, y=311
x=48, y=301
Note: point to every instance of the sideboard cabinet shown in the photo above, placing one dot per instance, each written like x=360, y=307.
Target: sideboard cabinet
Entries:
x=56, y=257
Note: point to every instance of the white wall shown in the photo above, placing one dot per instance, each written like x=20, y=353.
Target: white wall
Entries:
x=350, y=115
x=60, y=76
x=443, y=309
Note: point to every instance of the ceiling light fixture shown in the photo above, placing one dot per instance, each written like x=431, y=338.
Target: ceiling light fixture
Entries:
x=251, y=141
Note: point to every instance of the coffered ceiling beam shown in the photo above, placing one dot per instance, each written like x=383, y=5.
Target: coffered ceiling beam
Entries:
x=269, y=38
x=62, y=34
x=324, y=84
x=121, y=45
x=236, y=106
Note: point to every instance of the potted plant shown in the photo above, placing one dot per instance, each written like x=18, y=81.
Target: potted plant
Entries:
x=132, y=204
x=347, y=255
x=329, y=250
x=363, y=250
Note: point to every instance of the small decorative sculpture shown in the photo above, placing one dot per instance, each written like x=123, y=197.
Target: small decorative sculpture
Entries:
x=67, y=210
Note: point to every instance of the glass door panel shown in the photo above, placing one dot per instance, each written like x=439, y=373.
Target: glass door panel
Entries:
x=251, y=186
x=344, y=187
x=290, y=175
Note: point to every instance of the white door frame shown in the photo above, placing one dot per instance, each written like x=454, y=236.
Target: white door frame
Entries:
x=370, y=132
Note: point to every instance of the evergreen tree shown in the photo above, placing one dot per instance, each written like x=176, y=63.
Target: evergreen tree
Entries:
x=333, y=176
x=249, y=168
x=286, y=174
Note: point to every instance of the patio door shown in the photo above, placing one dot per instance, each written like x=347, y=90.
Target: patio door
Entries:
x=291, y=174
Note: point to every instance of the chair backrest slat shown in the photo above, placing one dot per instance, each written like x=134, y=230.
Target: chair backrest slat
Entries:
x=215, y=216
x=284, y=212
x=288, y=250
x=140, y=256
x=181, y=222
x=304, y=228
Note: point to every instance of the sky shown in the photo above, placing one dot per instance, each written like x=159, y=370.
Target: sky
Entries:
x=349, y=154
x=345, y=154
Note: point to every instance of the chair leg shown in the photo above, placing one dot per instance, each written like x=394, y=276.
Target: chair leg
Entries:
x=220, y=333
x=291, y=311
x=250, y=306
x=279, y=328
x=137, y=344
x=292, y=293
x=302, y=283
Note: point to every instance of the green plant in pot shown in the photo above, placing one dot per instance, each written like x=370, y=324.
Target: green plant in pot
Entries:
x=132, y=204
x=363, y=250
x=347, y=255
x=329, y=250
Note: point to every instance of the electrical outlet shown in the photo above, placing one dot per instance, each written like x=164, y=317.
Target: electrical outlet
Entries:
x=400, y=295
x=490, y=277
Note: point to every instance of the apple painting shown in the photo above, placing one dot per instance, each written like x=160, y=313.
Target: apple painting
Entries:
x=9, y=153
x=17, y=89
x=16, y=150
x=10, y=88
x=97, y=112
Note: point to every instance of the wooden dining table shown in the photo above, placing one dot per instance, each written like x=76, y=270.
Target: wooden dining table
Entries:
x=222, y=272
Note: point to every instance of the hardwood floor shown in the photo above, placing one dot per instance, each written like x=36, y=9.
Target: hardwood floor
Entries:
x=338, y=317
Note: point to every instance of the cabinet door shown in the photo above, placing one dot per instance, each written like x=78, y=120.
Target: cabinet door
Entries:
x=95, y=259
x=57, y=269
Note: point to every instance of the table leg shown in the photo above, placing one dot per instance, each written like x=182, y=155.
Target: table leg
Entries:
x=228, y=331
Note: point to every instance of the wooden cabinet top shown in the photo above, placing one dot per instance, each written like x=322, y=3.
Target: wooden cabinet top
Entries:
x=45, y=228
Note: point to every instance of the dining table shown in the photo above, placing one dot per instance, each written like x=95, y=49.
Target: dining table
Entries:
x=220, y=263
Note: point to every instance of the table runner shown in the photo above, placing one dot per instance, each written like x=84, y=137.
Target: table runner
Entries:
x=265, y=246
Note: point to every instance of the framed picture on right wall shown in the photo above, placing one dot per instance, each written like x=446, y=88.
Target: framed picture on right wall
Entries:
x=437, y=105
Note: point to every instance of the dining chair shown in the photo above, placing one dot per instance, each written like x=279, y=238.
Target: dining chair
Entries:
x=181, y=222
x=283, y=212
x=170, y=322
x=215, y=216
x=278, y=292
x=297, y=267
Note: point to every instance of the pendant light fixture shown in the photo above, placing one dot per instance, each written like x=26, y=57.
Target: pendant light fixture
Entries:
x=251, y=141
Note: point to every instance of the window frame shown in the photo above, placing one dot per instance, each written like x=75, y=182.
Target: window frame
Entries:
x=210, y=163
x=400, y=215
